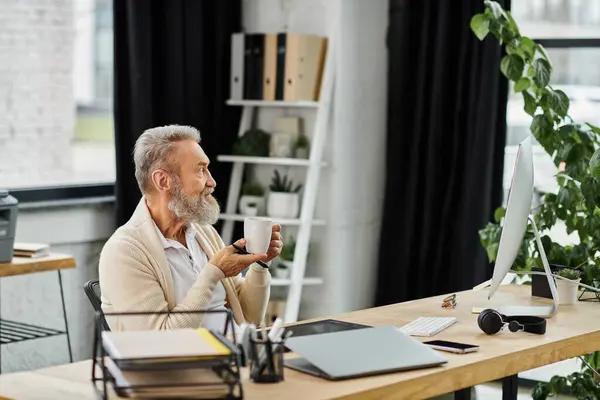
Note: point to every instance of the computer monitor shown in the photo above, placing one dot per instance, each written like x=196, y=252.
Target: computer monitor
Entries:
x=517, y=216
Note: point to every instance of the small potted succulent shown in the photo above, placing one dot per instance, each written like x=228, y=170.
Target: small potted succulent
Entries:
x=283, y=201
x=567, y=290
x=252, y=209
x=302, y=146
x=252, y=199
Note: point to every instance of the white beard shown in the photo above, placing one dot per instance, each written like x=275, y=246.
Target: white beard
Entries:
x=203, y=210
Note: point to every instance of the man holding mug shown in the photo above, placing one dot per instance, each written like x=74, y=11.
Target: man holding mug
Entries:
x=168, y=257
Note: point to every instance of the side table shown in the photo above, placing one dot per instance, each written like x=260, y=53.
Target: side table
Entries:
x=14, y=331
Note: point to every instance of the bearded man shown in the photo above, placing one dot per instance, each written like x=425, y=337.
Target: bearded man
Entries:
x=168, y=257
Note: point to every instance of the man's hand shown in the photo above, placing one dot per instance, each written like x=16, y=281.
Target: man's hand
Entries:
x=276, y=243
x=231, y=263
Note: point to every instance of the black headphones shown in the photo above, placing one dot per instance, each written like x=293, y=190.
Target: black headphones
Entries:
x=491, y=322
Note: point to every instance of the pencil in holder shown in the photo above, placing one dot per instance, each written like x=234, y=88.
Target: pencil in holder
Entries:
x=266, y=361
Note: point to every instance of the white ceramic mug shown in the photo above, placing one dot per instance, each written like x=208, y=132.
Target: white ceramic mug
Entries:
x=257, y=232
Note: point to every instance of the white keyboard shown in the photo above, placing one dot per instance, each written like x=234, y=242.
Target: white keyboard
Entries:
x=427, y=326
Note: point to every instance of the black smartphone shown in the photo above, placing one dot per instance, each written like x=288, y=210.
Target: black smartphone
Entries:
x=452, y=347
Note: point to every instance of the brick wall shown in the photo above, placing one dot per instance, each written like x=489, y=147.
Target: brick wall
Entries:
x=37, y=106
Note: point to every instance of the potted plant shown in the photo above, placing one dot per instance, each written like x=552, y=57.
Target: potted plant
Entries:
x=567, y=290
x=283, y=269
x=252, y=209
x=283, y=201
x=253, y=194
x=254, y=142
x=574, y=147
x=302, y=146
x=539, y=283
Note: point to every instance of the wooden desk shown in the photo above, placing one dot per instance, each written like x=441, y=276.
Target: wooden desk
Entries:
x=24, y=265
x=574, y=331
x=16, y=331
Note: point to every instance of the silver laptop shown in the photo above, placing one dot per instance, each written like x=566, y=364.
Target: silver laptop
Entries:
x=361, y=352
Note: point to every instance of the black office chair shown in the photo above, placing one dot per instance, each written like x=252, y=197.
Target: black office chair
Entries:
x=92, y=290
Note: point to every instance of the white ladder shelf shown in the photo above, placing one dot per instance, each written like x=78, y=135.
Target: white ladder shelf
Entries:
x=314, y=164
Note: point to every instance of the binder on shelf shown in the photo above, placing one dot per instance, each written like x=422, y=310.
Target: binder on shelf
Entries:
x=183, y=363
x=277, y=66
x=304, y=60
x=270, y=66
x=253, y=65
x=237, y=66
x=280, y=68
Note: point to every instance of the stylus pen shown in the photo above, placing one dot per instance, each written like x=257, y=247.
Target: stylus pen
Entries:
x=243, y=251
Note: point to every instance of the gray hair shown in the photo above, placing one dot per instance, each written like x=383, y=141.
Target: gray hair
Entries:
x=154, y=148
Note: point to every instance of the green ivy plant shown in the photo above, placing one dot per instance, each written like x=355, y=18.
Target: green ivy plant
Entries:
x=573, y=146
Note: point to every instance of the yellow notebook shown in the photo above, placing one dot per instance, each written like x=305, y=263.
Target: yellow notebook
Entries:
x=171, y=345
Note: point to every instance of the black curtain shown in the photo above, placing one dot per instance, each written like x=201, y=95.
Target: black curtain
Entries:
x=446, y=136
x=172, y=67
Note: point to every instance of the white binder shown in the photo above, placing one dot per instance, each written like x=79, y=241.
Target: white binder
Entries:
x=237, y=66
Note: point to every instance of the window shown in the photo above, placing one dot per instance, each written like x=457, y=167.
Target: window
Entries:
x=552, y=19
x=570, y=32
x=56, y=85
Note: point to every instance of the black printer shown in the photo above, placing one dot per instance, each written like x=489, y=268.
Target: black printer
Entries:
x=8, y=225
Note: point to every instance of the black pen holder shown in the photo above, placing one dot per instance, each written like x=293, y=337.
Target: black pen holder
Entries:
x=266, y=361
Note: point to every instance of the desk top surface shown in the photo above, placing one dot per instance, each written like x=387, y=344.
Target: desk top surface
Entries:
x=26, y=265
x=574, y=331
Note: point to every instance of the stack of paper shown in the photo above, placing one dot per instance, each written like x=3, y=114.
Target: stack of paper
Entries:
x=153, y=364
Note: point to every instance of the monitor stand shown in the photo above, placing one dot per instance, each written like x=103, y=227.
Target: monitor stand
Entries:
x=538, y=311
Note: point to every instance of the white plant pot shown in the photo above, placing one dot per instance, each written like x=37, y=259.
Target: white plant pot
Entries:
x=251, y=211
x=567, y=292
x=283, y=273
x=245, y=200
x=283, y=205
x=302, y=152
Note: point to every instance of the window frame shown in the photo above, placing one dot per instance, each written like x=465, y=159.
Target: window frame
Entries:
x=56, y=194
x=569, y=43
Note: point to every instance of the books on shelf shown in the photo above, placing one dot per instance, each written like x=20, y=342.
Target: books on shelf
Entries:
x=31, y=250
x=277, y=66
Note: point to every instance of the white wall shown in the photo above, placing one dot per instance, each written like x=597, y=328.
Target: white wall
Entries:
x=351, y=192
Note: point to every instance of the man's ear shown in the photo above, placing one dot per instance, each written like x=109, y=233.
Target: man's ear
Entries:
x=161, y=180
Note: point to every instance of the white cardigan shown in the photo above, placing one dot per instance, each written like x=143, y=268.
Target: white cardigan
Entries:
x=135, y=276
